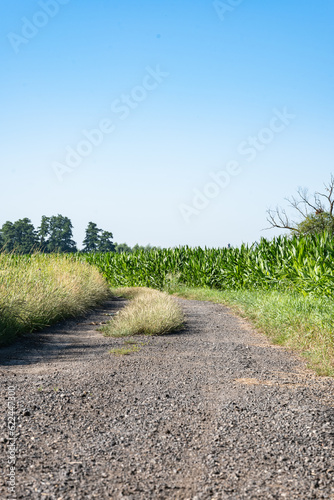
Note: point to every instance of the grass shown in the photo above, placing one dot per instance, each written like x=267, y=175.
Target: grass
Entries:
x=302, y=323
x=130, y=346
x=38, y=290
x=124, y=351
x=130, y=341
x=149, y=312
x=285, y=286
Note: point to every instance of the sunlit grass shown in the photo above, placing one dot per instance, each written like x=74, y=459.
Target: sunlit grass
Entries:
x=302, y=323
x=149, y=312
x=124, y=351
x=39, y=290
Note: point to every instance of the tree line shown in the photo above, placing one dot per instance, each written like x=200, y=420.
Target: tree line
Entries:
x=316, y=214
x=55, y=234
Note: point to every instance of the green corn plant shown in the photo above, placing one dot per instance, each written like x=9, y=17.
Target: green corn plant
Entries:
x=304, y=264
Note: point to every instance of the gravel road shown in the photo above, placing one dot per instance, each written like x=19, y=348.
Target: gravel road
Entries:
x=211, y=412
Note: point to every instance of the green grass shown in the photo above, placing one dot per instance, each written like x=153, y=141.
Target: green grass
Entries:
x=285, y=286
x=149, y=312
x=38, y=290
x=124, y=351
x=304, y=324
x=130, y=346
x=130, y=341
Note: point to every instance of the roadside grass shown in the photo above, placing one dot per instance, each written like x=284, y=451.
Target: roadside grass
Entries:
x=149, y=312
x=38, y=290
x=302, y=323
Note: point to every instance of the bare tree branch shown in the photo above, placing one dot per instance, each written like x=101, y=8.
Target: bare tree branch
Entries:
x=304, y=198
x=294, y=203
x=305, y=206
x=330, y=194
x=278, y=218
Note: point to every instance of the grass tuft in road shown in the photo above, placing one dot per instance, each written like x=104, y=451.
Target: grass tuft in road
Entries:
x=149, y=312
x=124, y=351
x=302, y=323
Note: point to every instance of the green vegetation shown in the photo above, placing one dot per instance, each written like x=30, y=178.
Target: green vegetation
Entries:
x=302, y=323
x=124, y=351
x=124, y=247
x=53, y=236
x=285, y=286
x=315, y=213
x=20, y=234
x=38, y=290
x=149, y=312
x=130, y=346
x=317, y=223
x=302, y=264
x=97, y=240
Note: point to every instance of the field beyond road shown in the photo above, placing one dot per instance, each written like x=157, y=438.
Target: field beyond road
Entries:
x=210, y=412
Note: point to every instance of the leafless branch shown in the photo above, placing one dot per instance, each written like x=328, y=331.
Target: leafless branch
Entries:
x=303, y=204
x=329, y=196
x=278, y=218
x=304, y=199
x=294, y=203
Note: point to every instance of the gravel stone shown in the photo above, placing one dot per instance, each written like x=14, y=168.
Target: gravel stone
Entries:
x=210, y=412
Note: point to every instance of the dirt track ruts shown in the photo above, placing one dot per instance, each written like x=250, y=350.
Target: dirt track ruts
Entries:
x=210, y=412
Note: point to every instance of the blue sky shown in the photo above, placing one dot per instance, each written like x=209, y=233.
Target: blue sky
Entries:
x=126, y=113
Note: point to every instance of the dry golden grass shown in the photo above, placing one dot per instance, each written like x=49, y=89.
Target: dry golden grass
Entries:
x=149, y=312
x=39, y=290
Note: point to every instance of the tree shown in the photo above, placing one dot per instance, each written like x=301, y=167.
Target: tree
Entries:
x=146, y=248
x=317, y=223
x=43, y=232
x=122, y=247
x=8, y=236
x=97, y=240
x=105, y=243
x=316, y=213
x=92, y=238
x=55, y=234
x=19, y=236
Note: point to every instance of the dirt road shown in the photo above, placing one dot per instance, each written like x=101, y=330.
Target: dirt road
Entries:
x=212, y=412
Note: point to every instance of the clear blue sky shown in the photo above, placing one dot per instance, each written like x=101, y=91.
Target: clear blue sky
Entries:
x=184, y=91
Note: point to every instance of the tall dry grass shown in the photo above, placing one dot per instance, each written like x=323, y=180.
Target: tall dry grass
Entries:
x=38, y=290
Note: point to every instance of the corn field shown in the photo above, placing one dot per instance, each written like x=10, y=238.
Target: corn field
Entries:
x=304, y=264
